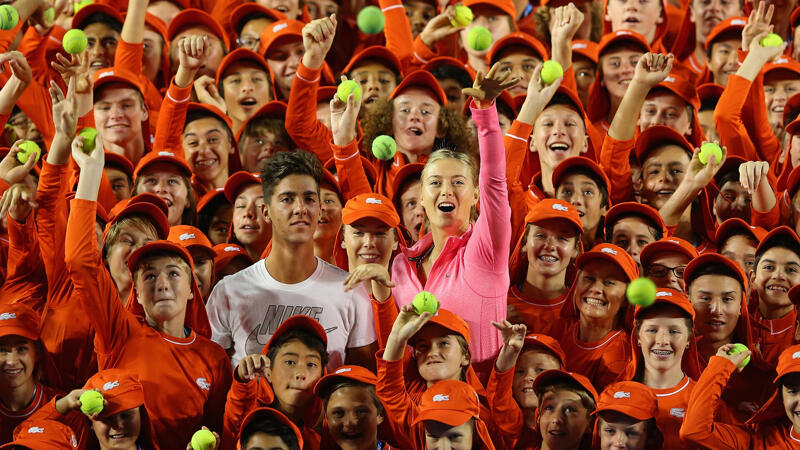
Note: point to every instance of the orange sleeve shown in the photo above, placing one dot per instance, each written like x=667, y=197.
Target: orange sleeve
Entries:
x=301, y=114
x=399, y=39
x=755, y=109
x=391, y=390
x=51, y=222
x=614, y=161
x=421, y=55
x=128, y=56
x=242, y=398
x=75, y=420
x=25, y=281
x=569, y=80
x=385, y=313
x=352, y=178
x=171, y=119
x=728, y=119
x=505, y=410
x=7, y=37
x=699, y=426
x=515, y=141
x=99, y=298
x=769, y=219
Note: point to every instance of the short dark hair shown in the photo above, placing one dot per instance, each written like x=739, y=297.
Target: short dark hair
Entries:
x=103, y=18
x=305, y=337
x=732, y=174
x=655, y=230
x=191, y=116
x=446, y=71
x=282, y=164
x=328, y=391
x=590, y=174
x=777, y=241
x=271, y=427
x=714, y=268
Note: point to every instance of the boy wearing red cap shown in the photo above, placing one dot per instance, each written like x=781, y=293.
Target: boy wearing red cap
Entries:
x=449, y=416
x=664, y=261
x=566, y=402
x=584, y=184
x=248, y=226
x=268, y=428
x=168, y=176
x=626, y=418
x=282, y=47
x=244, y=83
x=737, y=241
x=722, y=44
x=648, y=19
x=633, y=226
x=120, y=113
x=202, y=254
x=495, y=15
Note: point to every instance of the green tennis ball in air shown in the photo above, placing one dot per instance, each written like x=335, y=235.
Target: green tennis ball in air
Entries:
x=479, y=39
x=347, y=87
x=370, y=20
x=708, y=149
x=91, y=402
x=771, y=40
x=551, y=70
x=641, y=292
x=89, y=139
x=9, y=17
x=425, y=301
x=28, y=149
x=203, y=440
x=49, y=15
x=462, y=17
x=74, y=41
x=384, y=147
x=740, y=348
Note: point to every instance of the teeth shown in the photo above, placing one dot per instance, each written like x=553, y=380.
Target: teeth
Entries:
x=559, y=147
x=662, y=352
x=594, y=301
x=548, y=258
x=777, y=288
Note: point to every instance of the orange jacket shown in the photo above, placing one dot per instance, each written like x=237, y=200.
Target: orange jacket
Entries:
x=397, y=30
x=301, y=114
x=25, y=280
x=10, y=419
x=771, y=336
x=614, y=161
x=506, y=413
x=536, y=314
x=171, y=119
x=671, y=411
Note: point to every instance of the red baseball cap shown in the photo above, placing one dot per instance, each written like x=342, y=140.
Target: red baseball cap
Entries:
x=619, y=37
x=550, y=208
x=669, y=244
x=587, y=49
x=546, y=343
x=506, y=6
x=247, y=11
x=282, y=30
x=788, y=362
x=406, y=172
x=791, y=111
x=121, y=388
x=731, y=25
x=375, y=52
x=145, y=204
x=164, y=157
x=671, y=297
x=238, y=55
x=193, y=17
x=769, y=240
x=659, y=136
x=679, y=85
x=731, y=163
x=712, y=258
x=630, y=398
x=274, y=109
x=710, y=91
x=155, y=246
x=519, y=39
x=567, y=167
x=371, y=205
x=734, y=226
x=552, y=376
x=119, y=161
x=19, y=319
x=43, y=434
x=440, y=61
x=225, y=253
x=625, y=209
x=79, y=19
x=343, y=373
x=613, y=254
x=209, y=196
x=783, y=63
x=274, y=414
x=793, y=182
x=191, y=238
x=214, y=111
x=450, y=402
x=450, y=321
x=237, y=182
x=117, y=75
x=298, y=321
x=421, y=79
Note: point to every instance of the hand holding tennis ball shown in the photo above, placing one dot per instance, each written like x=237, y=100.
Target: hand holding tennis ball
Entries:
x=89, y=139
x=737, y=349
x=425, y=301
x=28, y=149
x=384, y=147
x=370, y=20
x=708, y=149
x=74, y=41
x=203, y=440
x=479, y=39
x=348, y=87
x=551, y=71
x=91, y=403
x=641, y=292
x=771, y=40
x=463, y=16
x=9, y=17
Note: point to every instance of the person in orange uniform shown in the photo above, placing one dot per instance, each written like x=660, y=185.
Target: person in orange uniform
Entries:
x=248, y=227
x=540, y=262
x=39, y=434
x=583, y=183
x=566, y=402
x=164, y=320
x=202, y=254
x=266, y=427
x=168, y=176
x=626, y=418
x=665, y=260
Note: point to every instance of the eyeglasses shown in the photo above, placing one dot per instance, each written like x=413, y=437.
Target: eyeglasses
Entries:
x=248, y=42
x=660, y=271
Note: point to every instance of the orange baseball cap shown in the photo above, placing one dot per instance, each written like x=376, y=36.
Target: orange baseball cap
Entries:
x=519, y=39
x=295, y=322
x=731, y=25
x=547, y=343
x=209, y=196
x=275, y=109
x=659, y=136
x=788, y=362
x=665, y=245
x=711, y=258
x=587, y=49
x=43, y=434
x=117, y=75
x=406, y=173
x=450, y=321
x=371, y=205
x=145, y=204
x=240, y=54
x=625, y=209
x=120, y=162
x=619, y=37
x=375, y=52
x=709, y=91
x=550, y=208
x=237, y=182
x=154, y=246
x=79, y=20
x=225, y=253
x=552, y=376
x=770, y=239
x=247, y=11
x=121, y=388
x=193, y=17
x=506, y=6
x=19, y=319
x=568, y=166
x=671, y=297
x=214, y=111
x=421, y=79
x=450, y=402
x=356, y=373
x=162, y=157
x=282, y=30
x=613, y=254
x=679, y=85
x=793, y=181
x=734, y=226
x=783, y=63
x=630, y=398
x=191, y=238
x=274, y=414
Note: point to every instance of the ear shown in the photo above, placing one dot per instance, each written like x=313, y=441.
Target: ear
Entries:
x=268, y=373
x=145, y=114
x=379, y=419
x=265, y=212
x=585, y=143
x=531, y=147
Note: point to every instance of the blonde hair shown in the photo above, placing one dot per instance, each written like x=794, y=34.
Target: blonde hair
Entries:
x=461, y=157
x=140, y=223
x=148, y=260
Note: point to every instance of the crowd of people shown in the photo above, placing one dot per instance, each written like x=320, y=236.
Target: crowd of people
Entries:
x=208, y=240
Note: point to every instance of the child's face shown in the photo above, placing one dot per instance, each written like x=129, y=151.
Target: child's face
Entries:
x=584, y=194
x=439, y=355
x=377, y=81
x=558, y=133
x=733, y=202
x=246, y=89
x=520, y=62
x=283, y=60
x=707, y=14
x=203, y=271
x=251, y=33
x=169, y=186
x=452, y=90
x=741, y=249
x=550, y=246
x=665, y=108
x=18, y=357
x=415, y=121
x=585, y=73
x=124, y=426
x=497, y=22
x=102, y=45
x=724, y=61
x=294, y=209
x=641, y=16
x=129, y=238
x=220, y=222
x=118, y=114
x=663, y=339
x=353, y=418
x=120, y=183
x=440, y=436
x=632, y=234
x=419, y=14
x=621, y=432
x=563, y=419
x=530, y=364
x=256, y=149
x=717, y=302
x=662, y=270
x=207, y=148
x=618, y=66
x=411, y=212
x=776, y=273
x=369, y=241
x=601, y=290
x=330, y=219
x=261, y=440
x=163, y=288
x=779, y=86
x=293, y=373
x=249, y=225
x=790, y=393
x=662, y=172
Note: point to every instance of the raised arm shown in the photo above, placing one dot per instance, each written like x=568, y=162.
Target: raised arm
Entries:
x=504, y=408
x=131, y=46
x=344, y=119
x=697, y=177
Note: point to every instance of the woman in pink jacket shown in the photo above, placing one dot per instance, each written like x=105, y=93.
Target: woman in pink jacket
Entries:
x=464, y=265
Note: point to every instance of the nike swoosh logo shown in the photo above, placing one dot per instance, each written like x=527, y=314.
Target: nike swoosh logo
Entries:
x=329, y=330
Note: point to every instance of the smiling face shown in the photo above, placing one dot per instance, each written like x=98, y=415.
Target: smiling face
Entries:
x=550, y=246
x=520, y=62
x=741, y=249
x=440, y=436
x=663, y=339
x=18, y=356
x=558, y=133
x=438, y=354
x=246, y=88
x=118, y=114
x=779, y=87
x=415, y=121
x=530, y=364
x=662, y=172
x=411, y=211
x=377, y=81
x=330, y=218
x=163, y=288
x=169, y=185
x=283, y=60
x=790, y=395
x=293, y=373
x=249, y=225
x=621, y=432
x=641, y=16
x=369, y=241
x=666, y=108
x=724, y=62
x=777, y=271
x=632, y=234
x=600, y=290
x=666, y=270
x=618, y=66
x=585, y=195
x=102, y=45
x=294, y=209
x=208, y=146
x=353, y=418
x=563, y=419
x=448, y=194
x=119, y=431
x=717, y=301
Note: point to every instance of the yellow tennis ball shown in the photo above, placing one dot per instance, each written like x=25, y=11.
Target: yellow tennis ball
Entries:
x=346, y=88
x=9, y=17
x=89, y=139
x=740, y=348
x=551, y=70
x=771, y=40
x=708, y=149
x=91, y=402
x=28, y=149
x=479, y=39
x=370, y=20
x=463, y=16
x=384, y=147
x=74, y=41
x=49, y=15
x=425, y=301
x=641, y=292
x=203, y=440
x=79, y=5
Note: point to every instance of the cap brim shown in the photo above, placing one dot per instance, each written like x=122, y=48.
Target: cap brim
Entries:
x=447, y=417
x=635, y=413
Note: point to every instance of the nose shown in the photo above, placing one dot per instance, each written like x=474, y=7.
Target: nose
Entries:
x=250, y=211
x=715, y=306
x=662, y=337
x=247, y=85
x=559, y=129
x=372, y=84
x=300, y=375
x=294, y=61
x=300, y=206
x=576, y=199
x=369, y=240
x=162, y=282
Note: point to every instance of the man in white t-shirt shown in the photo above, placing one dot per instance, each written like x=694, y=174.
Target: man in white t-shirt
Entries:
x=246, y=308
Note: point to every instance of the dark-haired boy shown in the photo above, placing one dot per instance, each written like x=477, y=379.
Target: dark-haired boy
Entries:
x=246, y=308
x=632, y=226
x=267, y=428
x=583, y=183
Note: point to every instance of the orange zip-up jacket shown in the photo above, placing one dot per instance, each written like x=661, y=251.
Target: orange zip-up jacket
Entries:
x=10, y=419
x=771, y=336
x=171, y=119
x=515, y=141
x=185, y=379
x=351, y=176
x=615, y=163
x=25, y=280
x=399, y=39
x=69, y=337
x=537, y=314
x=728, y=119
x=128, y=56
x=301, y=114
x=700, y=428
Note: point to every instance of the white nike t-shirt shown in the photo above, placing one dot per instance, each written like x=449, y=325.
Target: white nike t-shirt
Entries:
x=246, y=308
